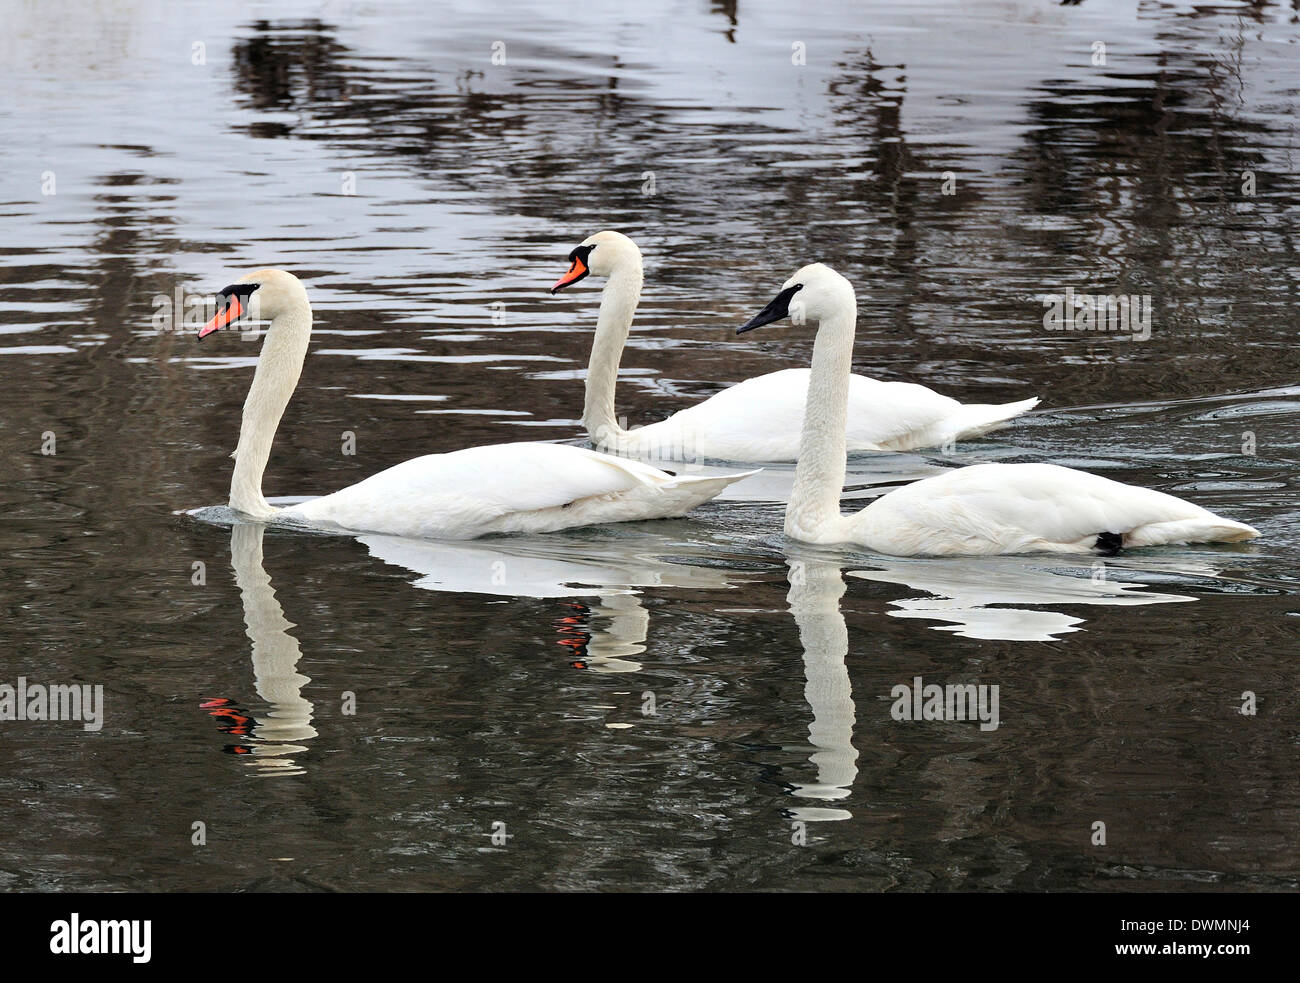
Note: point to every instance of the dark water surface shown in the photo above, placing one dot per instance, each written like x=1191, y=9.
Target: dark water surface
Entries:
x=509, y=680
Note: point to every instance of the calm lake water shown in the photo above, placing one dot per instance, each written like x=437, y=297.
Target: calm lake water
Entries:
x=654, y=705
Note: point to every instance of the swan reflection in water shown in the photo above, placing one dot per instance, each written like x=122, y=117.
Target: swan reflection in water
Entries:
x=610, y=568
x=983, y=598
x=272, y=740
x=608, y=649
x=961, y=592
x=605, y=626
x=603, y=636
x=816, y=587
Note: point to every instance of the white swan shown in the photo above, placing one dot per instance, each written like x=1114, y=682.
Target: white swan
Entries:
x=520, y=487
x=761, y=418
x=979, y=510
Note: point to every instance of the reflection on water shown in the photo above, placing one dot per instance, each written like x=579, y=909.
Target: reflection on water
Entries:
x=602, y=636
x=426, y=195
x=271, y=739
x=816, y=588
x=981, y=600
x=593, y=563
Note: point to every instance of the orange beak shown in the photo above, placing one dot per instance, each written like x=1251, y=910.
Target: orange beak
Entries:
x=219, y=320
x=576, y=272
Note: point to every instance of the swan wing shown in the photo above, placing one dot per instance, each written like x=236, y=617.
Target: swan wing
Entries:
x=762, y=418
x=896, y=415
x=1007, y=508
x=517, y=477
x=462, y=494
x=758, y=419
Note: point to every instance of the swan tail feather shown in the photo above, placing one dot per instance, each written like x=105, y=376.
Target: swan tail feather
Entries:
x=1209, y=528
x=695, y=490
x=704, y=482
x=977, y=419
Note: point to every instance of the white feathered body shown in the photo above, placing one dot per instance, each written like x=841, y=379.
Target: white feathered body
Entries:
x=761, y=419
x=507, y=488
x=990, y=509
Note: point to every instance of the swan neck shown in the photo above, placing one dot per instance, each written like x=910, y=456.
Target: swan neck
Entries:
x=813, y=514
x=618, y=303
x=274, y=381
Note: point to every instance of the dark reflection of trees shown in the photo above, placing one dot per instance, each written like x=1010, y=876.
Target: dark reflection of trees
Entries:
x=280, y=65
x=727, y=8
x=1153, y=177
x=573, y=144
x=867, y=107
x=1113, y=187
x=1145, y=135
x=1140, y=190
x=87, y=406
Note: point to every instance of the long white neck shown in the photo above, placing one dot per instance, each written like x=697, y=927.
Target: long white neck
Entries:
x=617, y=306
x=274, y=381
x=813, y=514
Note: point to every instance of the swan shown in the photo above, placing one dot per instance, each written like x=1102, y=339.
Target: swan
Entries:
x=759, y=419
x=984, y=509
x=499, y=488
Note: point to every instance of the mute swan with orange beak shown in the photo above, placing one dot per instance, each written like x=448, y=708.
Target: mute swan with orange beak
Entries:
x=499, y=488
x=979, y=510
x=761, y=418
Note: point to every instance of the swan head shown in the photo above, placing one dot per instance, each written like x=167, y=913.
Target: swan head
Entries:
x=813, y=293
x=599, y=255
x=262, y=295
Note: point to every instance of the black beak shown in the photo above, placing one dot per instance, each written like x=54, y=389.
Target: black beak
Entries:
x=779, y=308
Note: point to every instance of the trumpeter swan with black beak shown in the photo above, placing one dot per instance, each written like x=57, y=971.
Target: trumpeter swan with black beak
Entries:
x=979, y=510
x=500, y=488
x=761, y=418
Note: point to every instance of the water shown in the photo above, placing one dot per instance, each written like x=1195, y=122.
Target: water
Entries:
x=511, y=680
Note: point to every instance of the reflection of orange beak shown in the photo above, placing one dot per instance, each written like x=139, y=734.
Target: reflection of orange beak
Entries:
x=576, y=272
x=233, y=310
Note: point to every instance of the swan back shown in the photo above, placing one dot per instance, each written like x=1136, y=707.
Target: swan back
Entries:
x=1018, y=508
